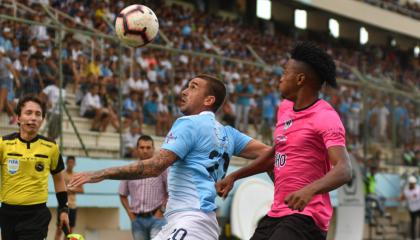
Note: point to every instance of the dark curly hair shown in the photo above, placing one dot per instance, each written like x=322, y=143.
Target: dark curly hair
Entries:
x=31, y=98
x=320, y=62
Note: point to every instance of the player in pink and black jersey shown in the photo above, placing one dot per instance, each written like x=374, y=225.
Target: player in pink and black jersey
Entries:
x=309, y=157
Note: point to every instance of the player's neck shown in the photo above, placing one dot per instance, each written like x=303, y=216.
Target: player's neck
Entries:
x=304, y=100
x=200, y=111
x=27, y=136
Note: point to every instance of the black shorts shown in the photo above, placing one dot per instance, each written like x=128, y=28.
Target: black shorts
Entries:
x=292, y=227
x=90, y=114
x=24, y=222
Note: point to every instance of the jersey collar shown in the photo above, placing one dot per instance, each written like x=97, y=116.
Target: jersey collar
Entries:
x=207, y=112
x=31, y=141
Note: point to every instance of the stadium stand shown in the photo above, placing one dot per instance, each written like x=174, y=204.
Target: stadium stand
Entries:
x=152, y=70
x=410, y=8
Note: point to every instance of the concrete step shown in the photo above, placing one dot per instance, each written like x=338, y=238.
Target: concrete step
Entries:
x=387, y=230
x=101, y=141
x=93, y=152
x=385, y=220
x=74, y=110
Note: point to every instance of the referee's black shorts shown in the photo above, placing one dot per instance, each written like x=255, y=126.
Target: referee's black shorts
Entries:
x=24, y=222
x=292, y=227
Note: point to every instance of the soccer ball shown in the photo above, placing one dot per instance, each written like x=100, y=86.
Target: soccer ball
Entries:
x=136, y=25
x=75, y=236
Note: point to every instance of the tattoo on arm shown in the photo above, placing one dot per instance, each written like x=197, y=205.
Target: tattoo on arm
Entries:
x=141, y=169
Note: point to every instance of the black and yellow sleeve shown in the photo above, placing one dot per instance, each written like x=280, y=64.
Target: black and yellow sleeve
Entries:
x=57, y=163
x=1, y=150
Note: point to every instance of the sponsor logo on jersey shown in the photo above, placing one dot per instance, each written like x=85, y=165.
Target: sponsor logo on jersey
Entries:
x=287, y=123
x=39, y=166
x=170, y=138
x=281, y=139
x=12, y=165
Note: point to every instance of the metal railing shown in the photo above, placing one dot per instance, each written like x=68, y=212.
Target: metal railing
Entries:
x=366, y=87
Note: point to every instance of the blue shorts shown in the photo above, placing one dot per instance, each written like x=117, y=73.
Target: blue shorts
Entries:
x=10, y=92
x=6, y=83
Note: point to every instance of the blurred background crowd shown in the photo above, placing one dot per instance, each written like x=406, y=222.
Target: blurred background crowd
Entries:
x=152, y=78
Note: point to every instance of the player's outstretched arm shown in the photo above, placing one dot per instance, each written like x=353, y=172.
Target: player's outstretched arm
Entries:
x=339, y=175
x=140, y=169
x=262, y=163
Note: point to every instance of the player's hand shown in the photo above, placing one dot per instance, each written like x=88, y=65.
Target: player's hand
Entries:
x=132, y=216
x=82, y=178
x=224, y=186
x=299, y=199
x=159, y=214
x=64, y=222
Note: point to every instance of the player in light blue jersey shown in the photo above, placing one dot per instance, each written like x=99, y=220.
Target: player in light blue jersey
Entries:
x=198, y=148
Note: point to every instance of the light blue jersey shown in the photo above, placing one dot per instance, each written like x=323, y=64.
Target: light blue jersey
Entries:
x=204, y=148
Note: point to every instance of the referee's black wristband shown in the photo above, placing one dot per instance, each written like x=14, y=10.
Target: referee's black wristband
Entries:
x=62, y=202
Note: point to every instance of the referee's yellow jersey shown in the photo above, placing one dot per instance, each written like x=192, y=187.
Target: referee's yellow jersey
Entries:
x=25, y=167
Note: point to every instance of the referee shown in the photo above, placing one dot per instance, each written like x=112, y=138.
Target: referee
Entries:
x=26, y=160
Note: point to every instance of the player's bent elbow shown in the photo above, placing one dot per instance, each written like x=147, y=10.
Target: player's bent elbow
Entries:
x=155, y=173
x=348, y=173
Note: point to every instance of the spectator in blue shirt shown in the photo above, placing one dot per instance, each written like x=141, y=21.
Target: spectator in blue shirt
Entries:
x=5, y=41
x=131, y=110
x=402, y=121
x=268, y=105
x=244, y=92
x=150, y=110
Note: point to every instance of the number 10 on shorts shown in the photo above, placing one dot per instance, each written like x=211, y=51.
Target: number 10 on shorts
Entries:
x=178, y=234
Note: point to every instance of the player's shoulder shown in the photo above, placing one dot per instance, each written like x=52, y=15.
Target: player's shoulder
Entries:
x=186, y=119
x=229, y=129
x=10, y=137
x=325, y=116
x=185, y=122
x=324, y=107
x=46, y=141
x=233, y=132
x=196, y=118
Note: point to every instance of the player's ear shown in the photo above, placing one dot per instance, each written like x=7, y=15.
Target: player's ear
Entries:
x=300, y=79
x=209, y=101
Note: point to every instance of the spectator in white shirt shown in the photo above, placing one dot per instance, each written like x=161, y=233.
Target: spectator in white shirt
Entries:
x=164, y=119
x=51, y=95
x=39, y=32
x=412, y=195
x=130, y=141
x=152, y=73
x=137, y=84
x=91, y=108
x=141, y=60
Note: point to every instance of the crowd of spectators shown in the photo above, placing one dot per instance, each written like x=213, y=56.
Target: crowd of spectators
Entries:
x=153, y=79
x=409, y=8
